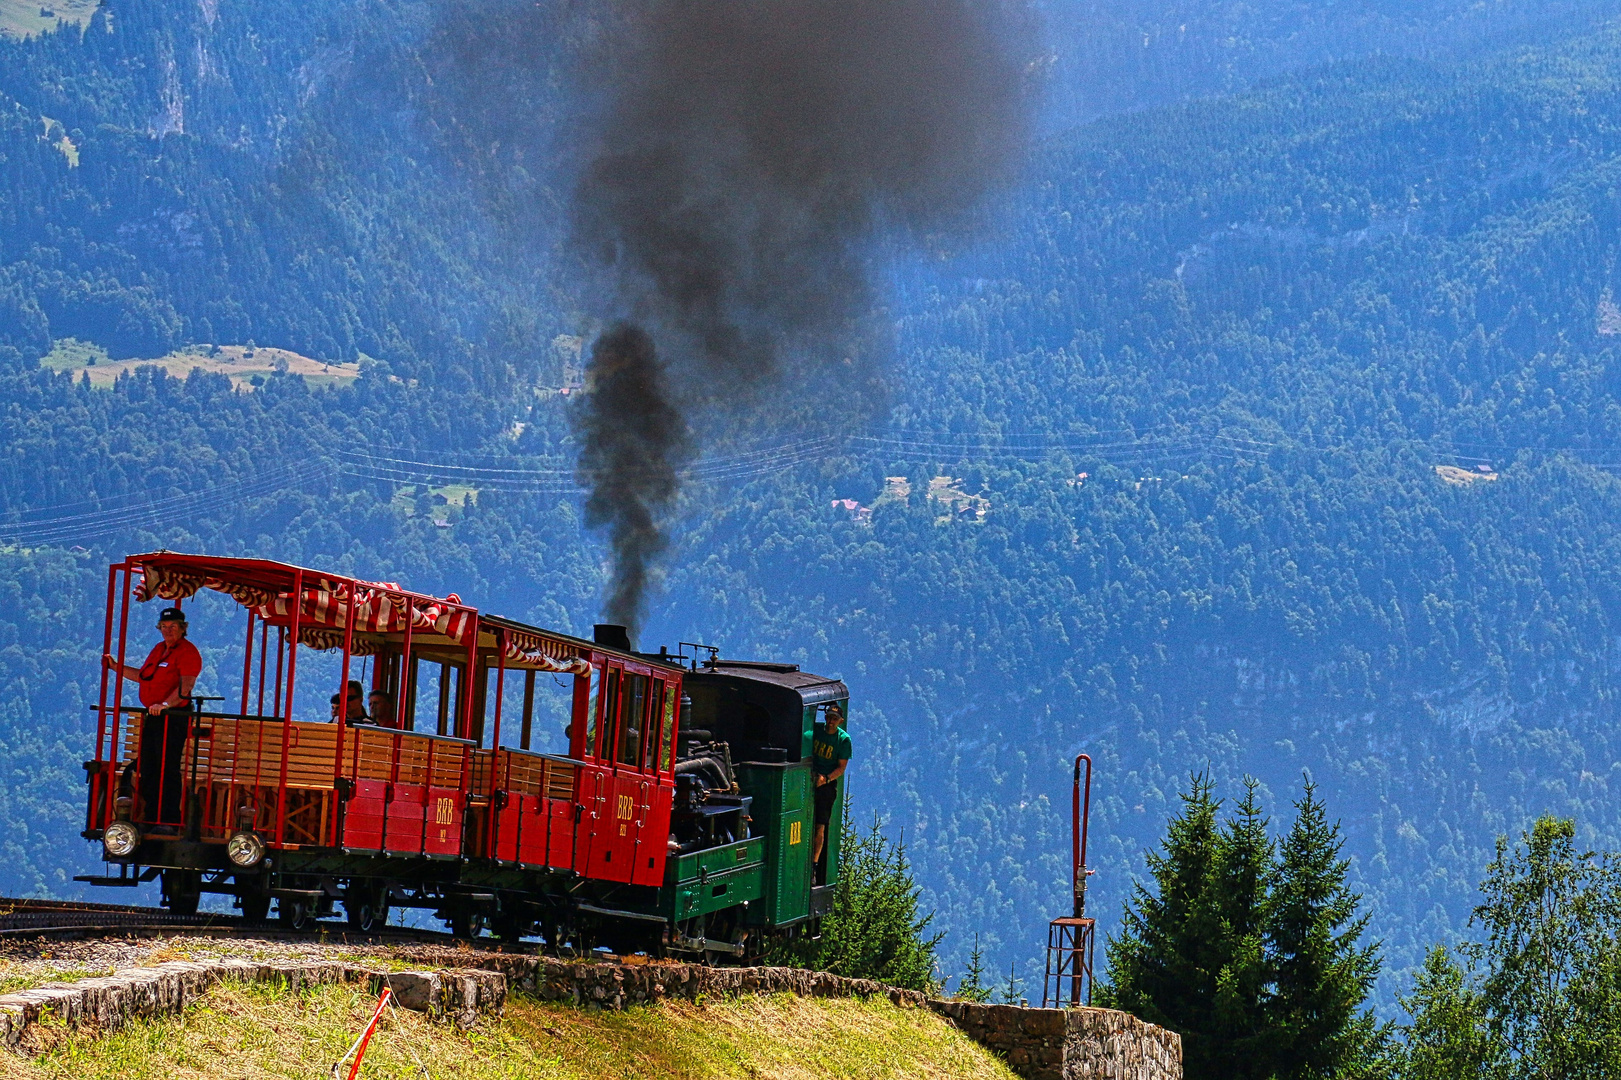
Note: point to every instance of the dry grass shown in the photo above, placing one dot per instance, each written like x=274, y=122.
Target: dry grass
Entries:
x=263, y=1032
x=1452, y=474
x=240, y=363
x=23, y=18
x=954, y=502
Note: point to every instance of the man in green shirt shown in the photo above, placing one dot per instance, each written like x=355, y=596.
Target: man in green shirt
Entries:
x=830, y=756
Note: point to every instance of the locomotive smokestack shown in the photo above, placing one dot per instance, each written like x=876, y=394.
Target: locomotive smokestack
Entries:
x=611, y=636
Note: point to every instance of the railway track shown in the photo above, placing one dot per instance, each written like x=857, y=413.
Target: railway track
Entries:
x=30, y=918
x=34, y=918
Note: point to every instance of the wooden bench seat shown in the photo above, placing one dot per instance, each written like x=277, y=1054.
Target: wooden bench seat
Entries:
x=239, y=762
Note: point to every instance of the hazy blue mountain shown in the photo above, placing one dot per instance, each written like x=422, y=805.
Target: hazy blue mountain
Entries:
x=1257, y=322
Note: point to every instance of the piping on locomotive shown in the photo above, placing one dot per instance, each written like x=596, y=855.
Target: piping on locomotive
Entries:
x=679, y=819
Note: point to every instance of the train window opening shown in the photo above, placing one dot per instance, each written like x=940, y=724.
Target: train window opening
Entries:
x=246, y=660
x=608, y=729
x=316, y=678
x=431, y=699
x=593, y=712
x=545, y=699
x=635, y=718
x=655, y=718
x=385, y=679
x=215, y=624
x=442, y=718
x=667, y=729
x=526, y=726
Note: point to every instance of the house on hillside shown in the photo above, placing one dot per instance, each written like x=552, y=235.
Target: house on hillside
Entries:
x=856, y=511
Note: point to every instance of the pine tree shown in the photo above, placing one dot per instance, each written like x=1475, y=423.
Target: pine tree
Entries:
x=1010, y=992
x=1236, y=952
x=1159, y=964
x=1322, y=974
x=1252, y=953
x=874, y=929
x=972, y=985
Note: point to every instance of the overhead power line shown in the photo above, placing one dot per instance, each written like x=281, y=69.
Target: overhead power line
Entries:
x=48, y=525
x=91, y=519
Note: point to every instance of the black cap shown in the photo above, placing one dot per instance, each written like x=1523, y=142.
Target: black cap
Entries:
x=172, y=614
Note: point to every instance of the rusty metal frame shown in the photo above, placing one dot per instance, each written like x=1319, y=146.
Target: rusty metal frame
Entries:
x=1071, y=945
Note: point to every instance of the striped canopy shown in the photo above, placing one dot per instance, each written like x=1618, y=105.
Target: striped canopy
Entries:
x=325, y=605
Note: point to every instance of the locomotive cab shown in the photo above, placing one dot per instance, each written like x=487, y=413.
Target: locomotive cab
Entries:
x=766, y=715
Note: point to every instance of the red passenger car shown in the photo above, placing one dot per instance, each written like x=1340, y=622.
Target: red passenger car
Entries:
x=429, y=804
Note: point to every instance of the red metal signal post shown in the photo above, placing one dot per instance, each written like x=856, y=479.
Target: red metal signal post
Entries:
x=1071, y=941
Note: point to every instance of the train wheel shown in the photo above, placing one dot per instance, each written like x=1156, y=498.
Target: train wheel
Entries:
x=467, y=924
x=181, y=891
x=253, y=894
x=511, y=928
x=255, y=907
x=294, y=914
x=367, y=909
x=552, y=932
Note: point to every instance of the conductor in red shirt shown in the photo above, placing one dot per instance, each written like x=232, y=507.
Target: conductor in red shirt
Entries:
x=165, y=682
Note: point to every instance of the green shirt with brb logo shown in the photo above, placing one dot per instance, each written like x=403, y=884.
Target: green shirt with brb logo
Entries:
x=828, y=749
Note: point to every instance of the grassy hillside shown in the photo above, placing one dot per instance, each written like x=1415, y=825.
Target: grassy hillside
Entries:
x=263, y=1032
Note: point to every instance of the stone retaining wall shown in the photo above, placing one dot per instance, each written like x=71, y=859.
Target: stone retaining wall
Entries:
x=1070, y=1044
x=1038, y=1044
x=1105, y=1043
x=618, y=986
x=1031, y=1041
x=106, y=1003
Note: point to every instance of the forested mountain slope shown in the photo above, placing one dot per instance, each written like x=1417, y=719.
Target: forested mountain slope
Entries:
x=1128, y=54
x=1257, y=323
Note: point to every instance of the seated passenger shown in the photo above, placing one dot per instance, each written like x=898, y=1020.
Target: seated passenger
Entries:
x=357, y=704
x=382, y=708
x=166, y=680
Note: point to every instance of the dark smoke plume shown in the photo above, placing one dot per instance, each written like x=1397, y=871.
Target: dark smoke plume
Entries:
x=746, y=155
x=634, y=441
